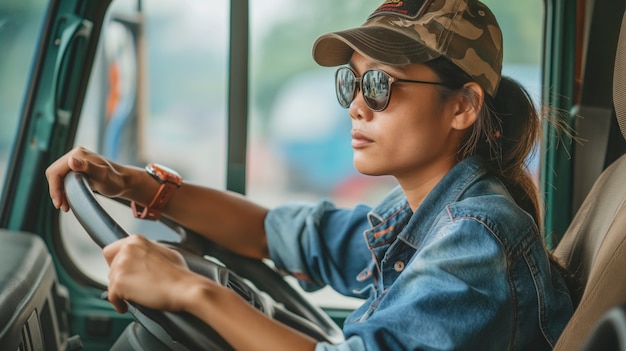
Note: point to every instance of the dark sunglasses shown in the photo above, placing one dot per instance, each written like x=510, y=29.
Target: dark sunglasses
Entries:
x=375, y=86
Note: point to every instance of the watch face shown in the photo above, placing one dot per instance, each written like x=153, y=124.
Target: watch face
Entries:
x=164, y=174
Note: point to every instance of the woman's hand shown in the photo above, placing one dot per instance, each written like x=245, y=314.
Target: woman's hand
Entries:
x=148, y=273
x=106, y=177
x=157, y=277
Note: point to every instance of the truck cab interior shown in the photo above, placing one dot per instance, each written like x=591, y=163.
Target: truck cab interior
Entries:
x=76, y=71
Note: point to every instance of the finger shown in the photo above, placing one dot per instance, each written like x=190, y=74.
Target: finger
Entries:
x=103, y=175
x=116, y=276
x=110, y=251
x=86, y=162
x=171, y=254
x=57, y=192
x=57, y=171
x=75, y=164
x=55, y=174
x=118, y=303
x=134, y=245
x=130, y=243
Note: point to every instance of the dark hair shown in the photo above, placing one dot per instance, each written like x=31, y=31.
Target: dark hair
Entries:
x=502, y=138
x=504, y=134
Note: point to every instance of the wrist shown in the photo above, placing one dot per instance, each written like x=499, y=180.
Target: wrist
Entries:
x=137, y=185
x=200, y=292
x=168, y=182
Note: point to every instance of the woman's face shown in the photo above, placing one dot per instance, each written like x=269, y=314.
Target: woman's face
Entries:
x=412, y=138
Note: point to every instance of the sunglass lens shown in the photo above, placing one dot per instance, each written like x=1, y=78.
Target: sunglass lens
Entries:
x=375, y=85
x=345, y=82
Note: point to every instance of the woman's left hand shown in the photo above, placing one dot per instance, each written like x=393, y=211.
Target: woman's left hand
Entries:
x=147, y=273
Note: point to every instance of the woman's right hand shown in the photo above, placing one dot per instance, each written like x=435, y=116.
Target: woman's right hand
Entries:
x=106, y=177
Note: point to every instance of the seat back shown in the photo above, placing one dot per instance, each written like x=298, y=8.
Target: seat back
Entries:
x=594, y=246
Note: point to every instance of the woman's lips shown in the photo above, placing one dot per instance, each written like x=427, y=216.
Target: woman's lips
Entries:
x=359, y=140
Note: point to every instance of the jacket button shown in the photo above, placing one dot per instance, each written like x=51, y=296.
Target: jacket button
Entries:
x=398, y=266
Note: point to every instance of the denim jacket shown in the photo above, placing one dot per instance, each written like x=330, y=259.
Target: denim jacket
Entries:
x=466, y=271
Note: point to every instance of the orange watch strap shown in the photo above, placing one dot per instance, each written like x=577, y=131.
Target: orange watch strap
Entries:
x=155, y=208
x=169, y=180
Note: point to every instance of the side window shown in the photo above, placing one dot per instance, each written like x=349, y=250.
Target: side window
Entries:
x=174, y=112
x=522, y=28
x=20, y=24
x=300, y=136
x=157, y=94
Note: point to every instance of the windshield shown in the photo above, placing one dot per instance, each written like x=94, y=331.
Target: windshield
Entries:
x=20, y=23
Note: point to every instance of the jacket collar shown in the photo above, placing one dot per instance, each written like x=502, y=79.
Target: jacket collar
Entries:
x=394, y=211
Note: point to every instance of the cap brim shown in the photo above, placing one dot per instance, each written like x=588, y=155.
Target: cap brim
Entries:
x=380, y=44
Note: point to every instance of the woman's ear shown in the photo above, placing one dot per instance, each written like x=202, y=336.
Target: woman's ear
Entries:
x=469, y=104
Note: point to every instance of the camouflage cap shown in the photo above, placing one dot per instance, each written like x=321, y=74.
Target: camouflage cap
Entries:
x=402, y=32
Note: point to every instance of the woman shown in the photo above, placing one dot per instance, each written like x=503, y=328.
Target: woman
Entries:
x=450, y=259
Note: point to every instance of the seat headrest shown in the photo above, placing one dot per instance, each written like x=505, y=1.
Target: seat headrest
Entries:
x=619, y=79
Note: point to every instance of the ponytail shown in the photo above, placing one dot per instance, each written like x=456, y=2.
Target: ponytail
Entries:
x=508, y=148
x=504, y=134
x=502, y=139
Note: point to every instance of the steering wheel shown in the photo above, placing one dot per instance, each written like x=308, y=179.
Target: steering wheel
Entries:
x=254, y=281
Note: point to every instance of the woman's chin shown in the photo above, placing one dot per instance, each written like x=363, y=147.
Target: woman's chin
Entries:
x=368, y=169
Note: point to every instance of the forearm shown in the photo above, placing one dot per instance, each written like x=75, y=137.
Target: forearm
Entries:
x=240, y=324
x=227, y=218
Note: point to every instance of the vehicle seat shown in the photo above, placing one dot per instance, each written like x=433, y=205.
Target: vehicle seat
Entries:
x=594, y=246
x=610, y=333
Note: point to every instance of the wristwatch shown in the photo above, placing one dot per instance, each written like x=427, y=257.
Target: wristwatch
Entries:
x=170, y=181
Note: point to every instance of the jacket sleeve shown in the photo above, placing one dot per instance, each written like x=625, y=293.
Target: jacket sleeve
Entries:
x=320, y=244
